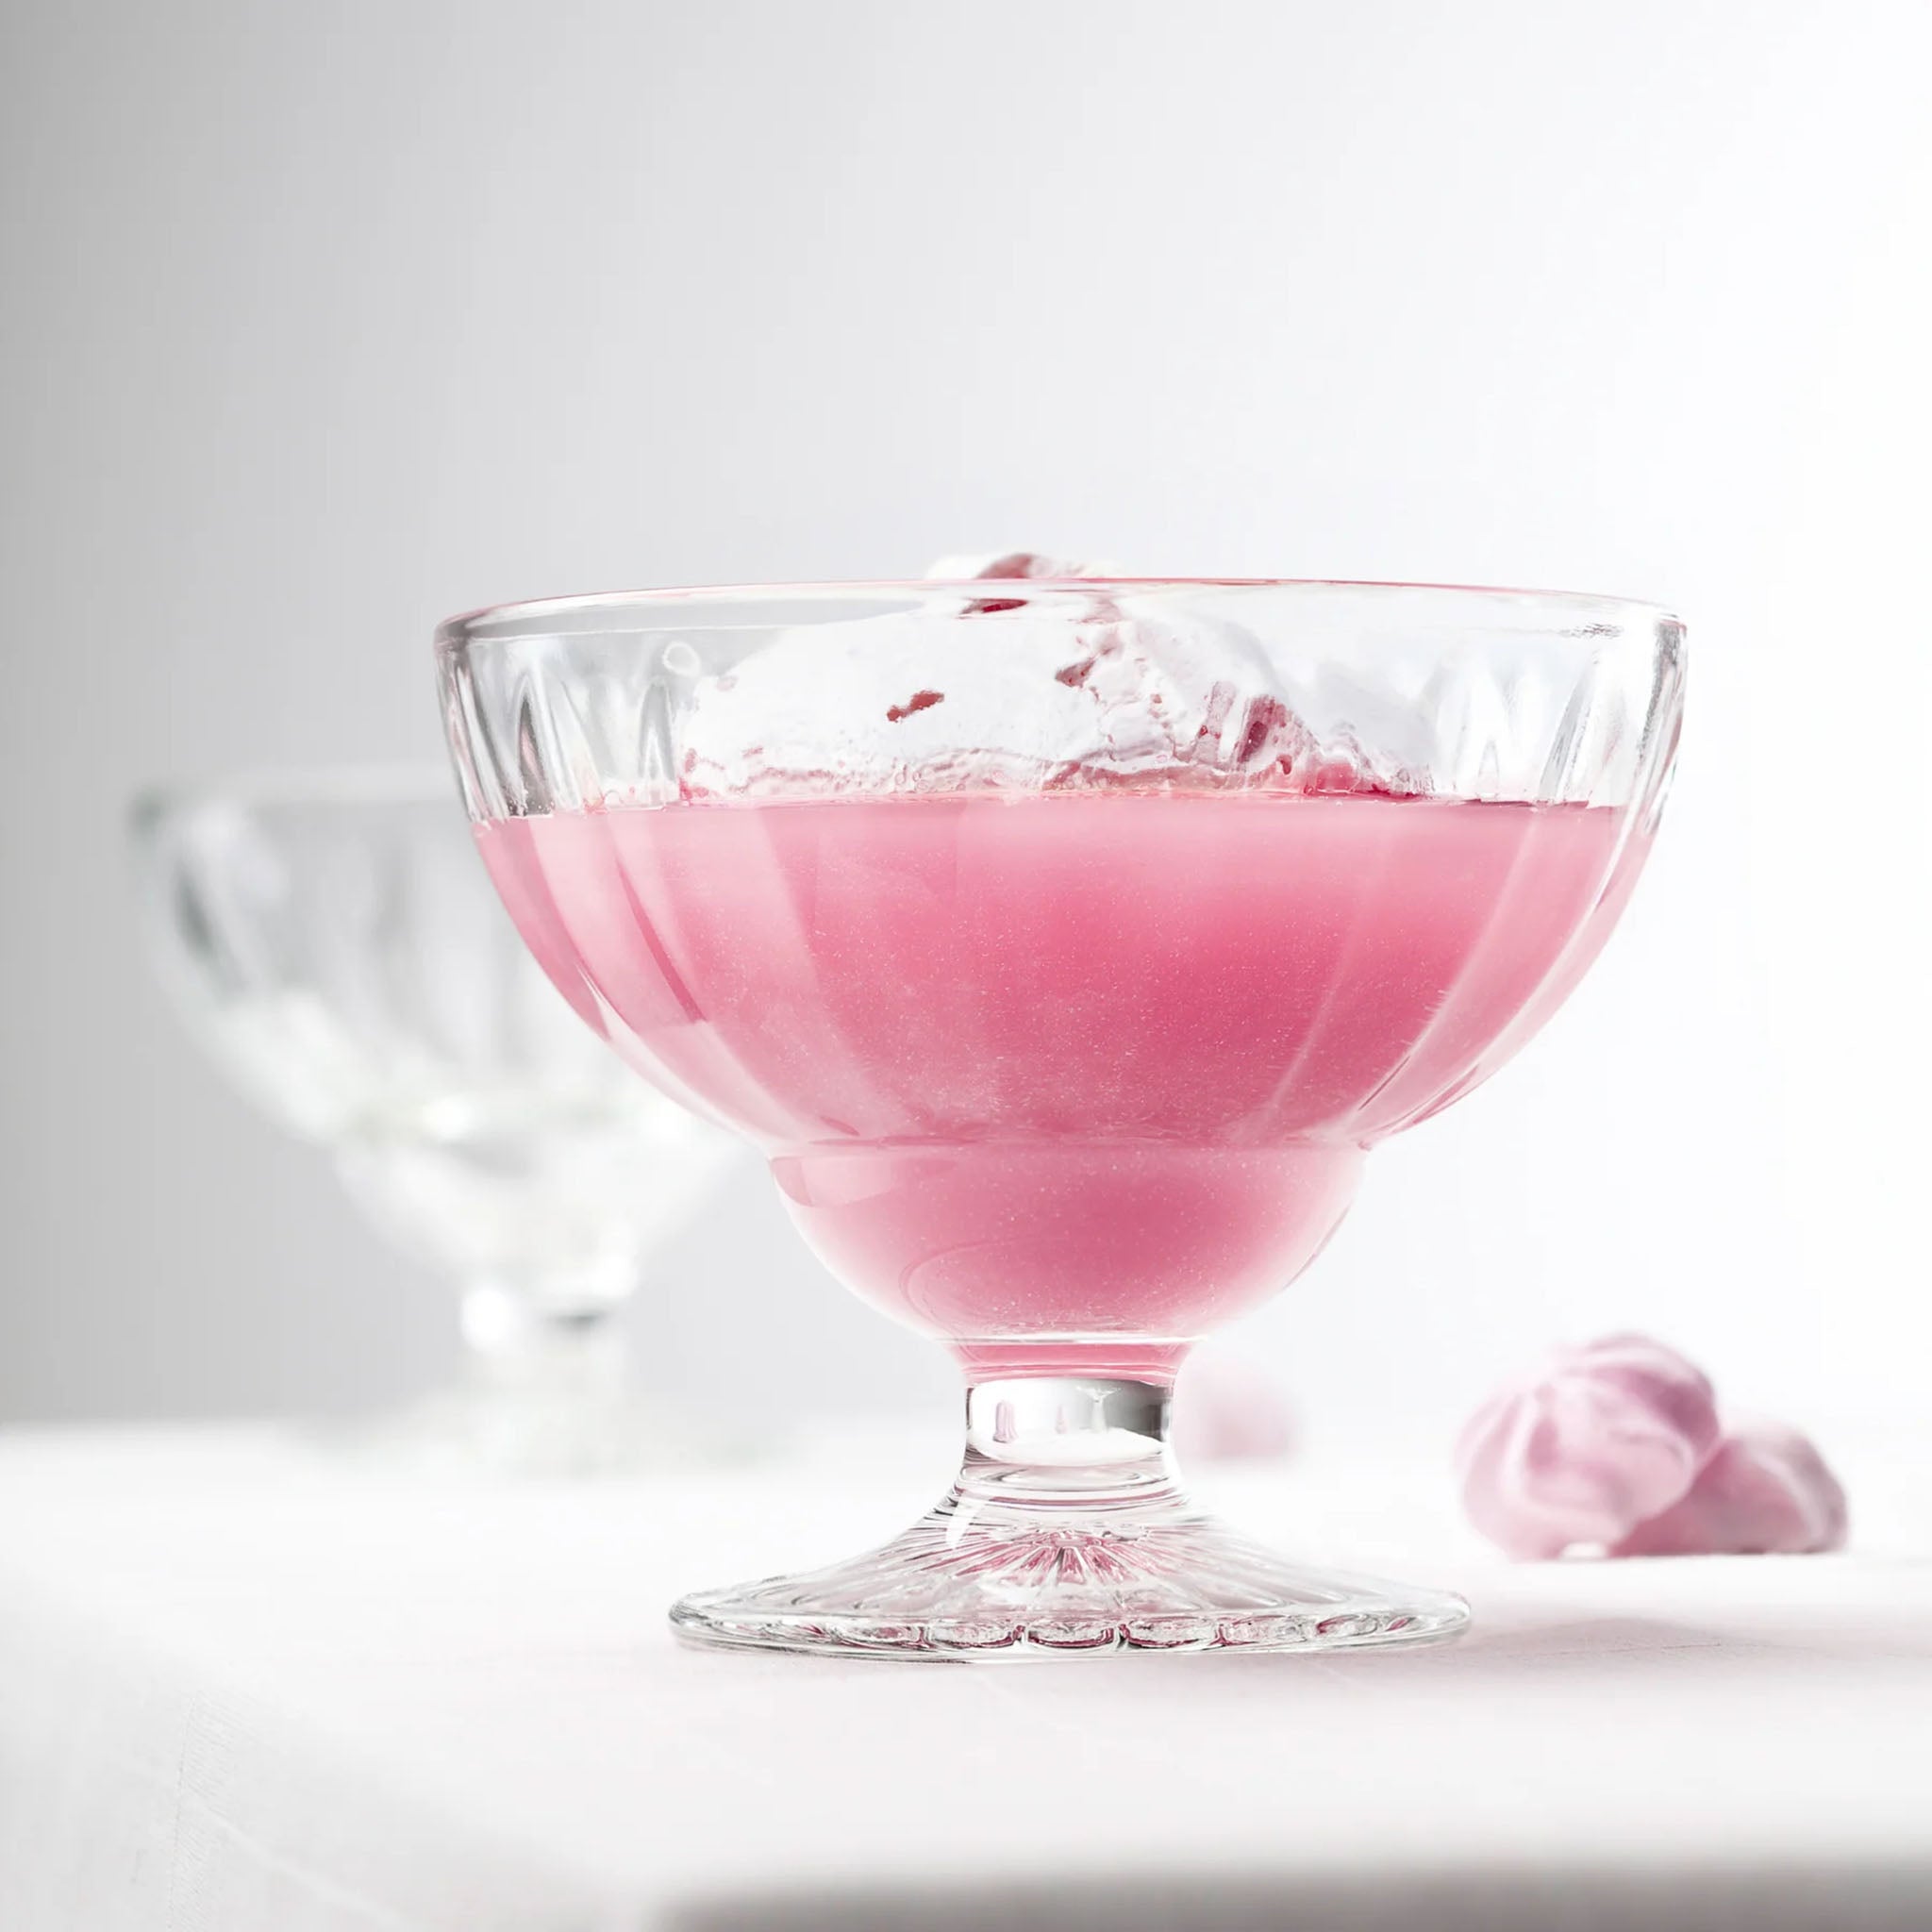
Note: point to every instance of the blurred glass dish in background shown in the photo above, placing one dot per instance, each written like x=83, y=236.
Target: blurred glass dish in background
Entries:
x=334, y=941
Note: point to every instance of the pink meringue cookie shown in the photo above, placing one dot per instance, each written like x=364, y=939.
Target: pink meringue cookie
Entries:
x=1606, y=1438
x=1229, y=1412
x=1765, y=1490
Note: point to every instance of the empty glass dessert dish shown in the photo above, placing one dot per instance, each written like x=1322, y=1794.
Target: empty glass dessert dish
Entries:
x=334, y=943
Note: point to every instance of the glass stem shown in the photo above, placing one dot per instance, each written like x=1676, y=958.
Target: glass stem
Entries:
x=1066, y=1442
x=542, y=1344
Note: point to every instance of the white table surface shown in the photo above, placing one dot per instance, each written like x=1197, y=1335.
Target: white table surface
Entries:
x=246, y=1688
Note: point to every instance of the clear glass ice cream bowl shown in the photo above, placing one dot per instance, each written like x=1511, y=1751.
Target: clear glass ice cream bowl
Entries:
x=1064, y=945
x=332, y=940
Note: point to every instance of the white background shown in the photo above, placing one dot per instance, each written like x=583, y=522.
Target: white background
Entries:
x=321, y=322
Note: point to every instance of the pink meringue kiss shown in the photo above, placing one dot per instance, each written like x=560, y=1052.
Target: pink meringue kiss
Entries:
x=1227, y=1412
x=1764, y=1492
x=1608, y=1437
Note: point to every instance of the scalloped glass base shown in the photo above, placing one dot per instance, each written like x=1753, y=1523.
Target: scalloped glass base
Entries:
x=979, y=1582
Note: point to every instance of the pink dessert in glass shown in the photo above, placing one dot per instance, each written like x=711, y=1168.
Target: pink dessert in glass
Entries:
x=1066, y=1081
x=1065, y=951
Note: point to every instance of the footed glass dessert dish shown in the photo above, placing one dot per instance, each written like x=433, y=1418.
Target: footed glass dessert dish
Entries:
x=332, y=940
x=1065, y=944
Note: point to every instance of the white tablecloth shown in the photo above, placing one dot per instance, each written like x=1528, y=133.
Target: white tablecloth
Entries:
x=244, y=1688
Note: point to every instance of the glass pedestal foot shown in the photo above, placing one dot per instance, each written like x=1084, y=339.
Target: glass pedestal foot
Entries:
x=470, y=1432
x=1096, y=1551
x=542, y=1396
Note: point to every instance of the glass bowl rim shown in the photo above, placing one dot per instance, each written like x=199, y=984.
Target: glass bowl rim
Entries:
x=456, y=634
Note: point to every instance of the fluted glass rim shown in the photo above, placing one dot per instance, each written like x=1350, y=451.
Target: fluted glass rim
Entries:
x=575, y=702
x=522, y=618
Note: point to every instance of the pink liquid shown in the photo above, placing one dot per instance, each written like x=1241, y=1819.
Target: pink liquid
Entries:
x=1067, y=1080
